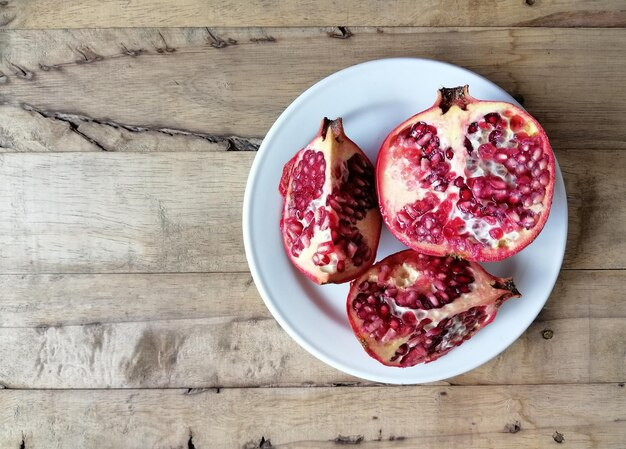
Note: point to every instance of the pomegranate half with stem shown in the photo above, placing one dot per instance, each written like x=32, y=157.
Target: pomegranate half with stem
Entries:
x=413, y=308
x=466, y=177
x=330, y=221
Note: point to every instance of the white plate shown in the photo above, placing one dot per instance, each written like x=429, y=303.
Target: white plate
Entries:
x=373, y=98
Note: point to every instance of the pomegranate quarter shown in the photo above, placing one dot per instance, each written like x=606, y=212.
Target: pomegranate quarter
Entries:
x=330, y=221
x=466, y=177
x=412, y=308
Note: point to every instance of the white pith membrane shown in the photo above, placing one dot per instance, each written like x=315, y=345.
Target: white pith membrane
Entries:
x=320, y=258
x=435, y=330
x=514, y=183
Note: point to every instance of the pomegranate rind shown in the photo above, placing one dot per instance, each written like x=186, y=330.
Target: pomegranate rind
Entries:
x=406, y=271
x=392, y=191
x=337, y=149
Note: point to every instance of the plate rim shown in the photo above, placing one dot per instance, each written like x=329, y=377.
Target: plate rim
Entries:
x=252, y=260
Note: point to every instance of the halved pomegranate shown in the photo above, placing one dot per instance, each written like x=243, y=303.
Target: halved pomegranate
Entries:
x=330, y=221
x=466, y=177
x=413, y=308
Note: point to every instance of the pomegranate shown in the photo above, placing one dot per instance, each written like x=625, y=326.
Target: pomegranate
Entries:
x=466, y=177
x=330, y=221
x=413, y=308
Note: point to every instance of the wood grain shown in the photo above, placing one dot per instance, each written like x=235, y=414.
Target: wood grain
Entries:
x=587, y=416
x=181, y=212
x=181, y=330
x=99, y=212
x=141, y=13
x=49, y=300
x=202, y=85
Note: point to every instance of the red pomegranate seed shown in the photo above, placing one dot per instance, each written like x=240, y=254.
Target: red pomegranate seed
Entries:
x=497, y=183
x=517, y=123
x=465, y=194
x=472, y=128
x=486, y=150
x=492, y=117
x=496, y=233
x=449, y=153
x=423, y=140
x=496, y=136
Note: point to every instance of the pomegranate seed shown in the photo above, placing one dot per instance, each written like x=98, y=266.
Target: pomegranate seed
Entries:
x=417, y=129
x=517, y=123
x=449, y=153
x=501, y=156
x=492, y=117
x=496, y=233
x=497, y=183
x=465, y=194
x=538, y=197
x=496, y=136
x=510, y=164
x=341, y=266
x=544, y=178
x=464, y=279
x=527, y=201
x=486, y=150
x=402, y=349
x=403, y=218
x=325, y=247
x=424, y=139
x=472, y=128
x=468, y=145
x=465, y=206
x=441, y=187
x=528, y=221
x=410, y=210
x=536, y=154
x=513, y=216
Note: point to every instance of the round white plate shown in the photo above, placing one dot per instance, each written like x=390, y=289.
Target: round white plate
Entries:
x=373, y=98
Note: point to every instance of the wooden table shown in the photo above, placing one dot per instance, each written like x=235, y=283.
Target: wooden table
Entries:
x=128, y=317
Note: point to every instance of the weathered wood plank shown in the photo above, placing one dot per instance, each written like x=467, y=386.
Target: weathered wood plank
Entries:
x=183, y=331
x=181, y=212
x=586, y=416
x=91, y=212
x=209, y=84
x=141, y=13
x=79, y=299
